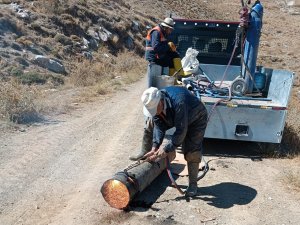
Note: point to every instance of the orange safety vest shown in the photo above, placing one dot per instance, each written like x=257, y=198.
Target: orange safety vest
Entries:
x=148, y=38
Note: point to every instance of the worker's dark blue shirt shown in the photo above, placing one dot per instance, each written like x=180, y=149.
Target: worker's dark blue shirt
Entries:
x=161, y=49
x=181, y=110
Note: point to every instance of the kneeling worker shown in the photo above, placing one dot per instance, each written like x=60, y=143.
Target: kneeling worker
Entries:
x=177, y=107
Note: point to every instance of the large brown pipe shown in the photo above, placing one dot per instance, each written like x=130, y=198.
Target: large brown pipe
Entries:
x=123, y=186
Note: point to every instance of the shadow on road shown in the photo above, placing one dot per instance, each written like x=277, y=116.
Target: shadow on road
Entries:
x=145, y=199
x=224, y=195
x=232, y=149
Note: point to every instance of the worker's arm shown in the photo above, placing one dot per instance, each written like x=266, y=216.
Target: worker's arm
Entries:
x=157, y=45
x=181, y=125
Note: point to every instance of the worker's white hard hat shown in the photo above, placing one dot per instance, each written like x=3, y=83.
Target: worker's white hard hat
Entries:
x=150, y=99
x=168, y=22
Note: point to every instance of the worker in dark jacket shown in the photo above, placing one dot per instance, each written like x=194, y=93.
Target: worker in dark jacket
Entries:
x=177, y=107
x=160, y=53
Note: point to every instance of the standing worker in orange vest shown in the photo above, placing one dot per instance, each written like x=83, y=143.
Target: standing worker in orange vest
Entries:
x=160, y=53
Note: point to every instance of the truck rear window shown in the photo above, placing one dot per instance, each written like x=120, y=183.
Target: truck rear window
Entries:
x=214, y=40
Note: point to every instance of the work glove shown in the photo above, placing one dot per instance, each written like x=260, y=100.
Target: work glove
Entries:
x=151, y=153
x=156, y=155
x=172, y=46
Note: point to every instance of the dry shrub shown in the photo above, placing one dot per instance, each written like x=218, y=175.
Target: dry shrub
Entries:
x=130, y=67
x=75, y=38
x=6, y=1
x=127, y=67
x=83, y=2
x=89, y=73
x=63, y=39
x=291, y=134
x=106, y=74
x=25, y=41
x=291, y=139
x=293, y=178
x=292, y=175
x=51, y=6
x=17, y=102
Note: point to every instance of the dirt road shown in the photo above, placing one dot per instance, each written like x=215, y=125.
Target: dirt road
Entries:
x=51, y=174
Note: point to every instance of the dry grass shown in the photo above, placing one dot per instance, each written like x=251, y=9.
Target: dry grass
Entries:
x=292, y=176
x=23, y=103
x=17, y=102
x=293, y=179
x=291, y=139
x=6, y=1
x=291, y=135
x=89, y=73
x=25, y=41
x=107, y=73
x=50, y=6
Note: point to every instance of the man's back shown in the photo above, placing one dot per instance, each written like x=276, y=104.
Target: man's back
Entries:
x=180, y=95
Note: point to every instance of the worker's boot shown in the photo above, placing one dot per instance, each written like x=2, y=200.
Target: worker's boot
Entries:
x=146, y=146
x=193, y=169
x=193, y=160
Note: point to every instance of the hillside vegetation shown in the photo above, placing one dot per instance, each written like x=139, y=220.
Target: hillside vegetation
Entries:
x=66, y=44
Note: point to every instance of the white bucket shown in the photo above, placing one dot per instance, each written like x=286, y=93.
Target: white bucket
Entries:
x=163, y=81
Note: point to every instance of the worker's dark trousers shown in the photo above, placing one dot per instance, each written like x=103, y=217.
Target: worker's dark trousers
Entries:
x=148, y=134
x=147, y=140
x=192, y=149
x=192, y=144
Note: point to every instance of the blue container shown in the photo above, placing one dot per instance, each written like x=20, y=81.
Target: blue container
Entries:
x=260, y=80
x=252, y=43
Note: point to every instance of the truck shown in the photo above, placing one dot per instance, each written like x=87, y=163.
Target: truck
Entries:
x=254, y=105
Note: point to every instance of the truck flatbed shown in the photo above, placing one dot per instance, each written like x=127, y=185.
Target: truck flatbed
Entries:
x=246, y=118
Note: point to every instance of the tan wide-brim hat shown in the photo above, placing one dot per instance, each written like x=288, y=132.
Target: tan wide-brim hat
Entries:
x=150, y=99
x=168, y=22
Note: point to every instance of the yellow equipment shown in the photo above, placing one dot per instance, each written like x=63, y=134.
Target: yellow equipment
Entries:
x=177, y=67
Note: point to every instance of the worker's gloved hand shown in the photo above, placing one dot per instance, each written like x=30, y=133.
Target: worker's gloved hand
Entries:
x=159, y=154
x=172, y=46
x=150, y=154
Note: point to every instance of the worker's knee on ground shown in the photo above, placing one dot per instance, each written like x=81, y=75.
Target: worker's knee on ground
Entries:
x=193, y=157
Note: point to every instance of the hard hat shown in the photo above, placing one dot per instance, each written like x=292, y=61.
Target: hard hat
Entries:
x=168, y=22
x=150, y=99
